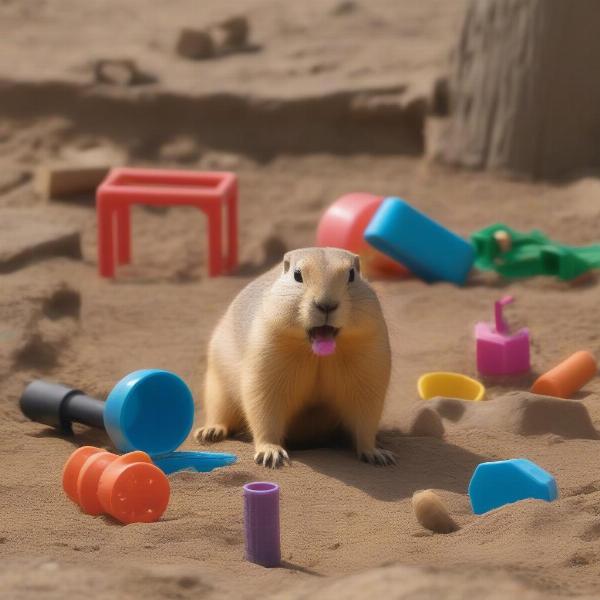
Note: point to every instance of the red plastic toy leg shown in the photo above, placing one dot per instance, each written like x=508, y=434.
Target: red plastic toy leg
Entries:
x=215, y=244
x=124, y=234
x=106, y=261
x=232, y=229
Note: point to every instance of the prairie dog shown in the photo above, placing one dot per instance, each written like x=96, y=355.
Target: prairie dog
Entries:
x=308, y=334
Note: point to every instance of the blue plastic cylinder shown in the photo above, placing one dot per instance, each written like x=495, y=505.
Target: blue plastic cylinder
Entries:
x=427, y=248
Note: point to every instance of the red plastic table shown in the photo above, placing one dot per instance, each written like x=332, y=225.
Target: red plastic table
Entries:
x=211, y=192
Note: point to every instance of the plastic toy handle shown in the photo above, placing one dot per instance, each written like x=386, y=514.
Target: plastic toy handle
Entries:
x=261, y=523
x=58, y=406
x=501, y=325
x=567, y=377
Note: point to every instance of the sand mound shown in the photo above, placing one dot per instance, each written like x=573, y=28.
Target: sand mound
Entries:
x=413, y=583
x=521, y=413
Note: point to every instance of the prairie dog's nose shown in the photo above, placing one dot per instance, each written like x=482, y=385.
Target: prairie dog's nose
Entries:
x=326, y=307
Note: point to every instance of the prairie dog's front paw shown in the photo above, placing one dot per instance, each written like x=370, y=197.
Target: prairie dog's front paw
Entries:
x=378, y=457
x=271, y=456
x=209, y=434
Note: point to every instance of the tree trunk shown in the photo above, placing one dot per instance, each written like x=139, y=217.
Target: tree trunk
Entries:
x=525, y=87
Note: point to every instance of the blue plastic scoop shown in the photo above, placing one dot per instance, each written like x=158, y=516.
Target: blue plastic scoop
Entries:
x=149, y=410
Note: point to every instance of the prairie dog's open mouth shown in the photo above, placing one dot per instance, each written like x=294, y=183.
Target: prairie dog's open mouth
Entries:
x=325, y=332
x=322, y=340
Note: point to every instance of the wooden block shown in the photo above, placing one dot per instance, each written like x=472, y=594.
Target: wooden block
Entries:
x=64, y=181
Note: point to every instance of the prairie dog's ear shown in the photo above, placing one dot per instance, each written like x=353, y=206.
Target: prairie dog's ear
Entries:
x=357, y=263
x=286, y=262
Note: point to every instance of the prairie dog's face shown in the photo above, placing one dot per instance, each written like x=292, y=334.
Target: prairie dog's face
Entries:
x=321, y=293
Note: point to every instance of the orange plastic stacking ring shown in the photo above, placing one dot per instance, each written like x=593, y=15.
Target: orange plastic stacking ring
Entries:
x=568, y=377
x=133, y=490
x=87, y=482
x=129, y=488
x=73, y=467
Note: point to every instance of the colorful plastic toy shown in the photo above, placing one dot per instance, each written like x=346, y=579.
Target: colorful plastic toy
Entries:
x=129, y=488
x=567, y=262
x=449, y=385
x=211, y=192
x=498, y=351
x=261, y=523
x=514, y=254
x=149, y=410
x=495, y=484
x=567, y=377
x=428, y=249
x=343, y=226
x=494, y=241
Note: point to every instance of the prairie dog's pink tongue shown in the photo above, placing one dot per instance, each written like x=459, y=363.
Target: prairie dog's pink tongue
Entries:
x=323, y=345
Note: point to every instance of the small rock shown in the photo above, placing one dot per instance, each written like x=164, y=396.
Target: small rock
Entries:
x=225, y=37
x=195, y=44
x=431, y=512
x=234, y=32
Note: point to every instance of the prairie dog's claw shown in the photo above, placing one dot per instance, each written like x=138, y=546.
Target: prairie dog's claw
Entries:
x=378, y=457
x=271, y=456
x=208, y=435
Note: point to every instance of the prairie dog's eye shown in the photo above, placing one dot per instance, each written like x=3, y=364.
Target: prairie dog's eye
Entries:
x=298, y=275
x=351, y=276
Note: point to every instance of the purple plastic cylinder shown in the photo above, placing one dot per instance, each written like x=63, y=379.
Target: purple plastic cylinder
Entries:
x=261, y=522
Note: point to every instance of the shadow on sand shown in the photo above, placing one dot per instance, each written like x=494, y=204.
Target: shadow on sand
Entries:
x=423, y=462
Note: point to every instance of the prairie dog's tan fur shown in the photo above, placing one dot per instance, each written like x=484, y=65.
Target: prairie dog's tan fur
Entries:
x=263, y=374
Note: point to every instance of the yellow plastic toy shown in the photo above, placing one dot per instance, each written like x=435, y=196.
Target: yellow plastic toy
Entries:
x=449, y=385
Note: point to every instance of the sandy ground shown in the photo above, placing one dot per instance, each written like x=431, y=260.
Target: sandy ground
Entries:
x=347, y=528
x=310, y=47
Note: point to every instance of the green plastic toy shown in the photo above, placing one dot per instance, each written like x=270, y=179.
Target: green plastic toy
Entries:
x=515, y=254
